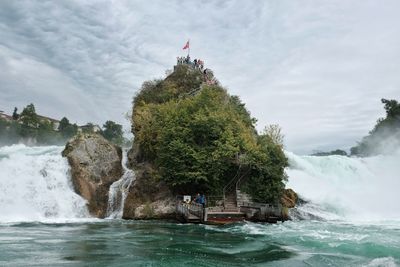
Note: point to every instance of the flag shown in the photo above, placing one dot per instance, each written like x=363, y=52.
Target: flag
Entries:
x=186, y=45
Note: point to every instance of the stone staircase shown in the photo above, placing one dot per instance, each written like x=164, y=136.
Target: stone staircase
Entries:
x=242, y=197
x=230, y=204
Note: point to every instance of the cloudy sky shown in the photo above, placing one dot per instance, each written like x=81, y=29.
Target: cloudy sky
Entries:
x=317, y=68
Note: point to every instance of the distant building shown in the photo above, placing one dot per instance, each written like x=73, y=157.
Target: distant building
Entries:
x=55, y=123
x=5, y=116
x=89, y=128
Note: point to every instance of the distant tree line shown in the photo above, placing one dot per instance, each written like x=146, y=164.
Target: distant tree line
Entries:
x=30, y=128
x=339, y=152
x=385, y=136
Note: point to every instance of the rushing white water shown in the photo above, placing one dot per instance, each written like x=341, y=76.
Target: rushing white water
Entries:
x=358, y=189
x=119, y=190
x=35, y=186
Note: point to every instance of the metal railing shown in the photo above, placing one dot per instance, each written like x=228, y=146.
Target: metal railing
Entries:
x=231, y=184
x=187, y=209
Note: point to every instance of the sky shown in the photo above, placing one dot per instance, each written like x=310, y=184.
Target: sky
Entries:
x=316, y=68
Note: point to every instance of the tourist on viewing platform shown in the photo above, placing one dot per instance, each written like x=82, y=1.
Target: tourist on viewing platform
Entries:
x=198, y=198
x=203, y=200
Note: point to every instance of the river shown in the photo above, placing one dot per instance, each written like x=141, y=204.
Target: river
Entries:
x=352, y=219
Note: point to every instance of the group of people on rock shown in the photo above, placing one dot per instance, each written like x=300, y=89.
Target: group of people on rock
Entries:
x=183, y=60
x=197, y=63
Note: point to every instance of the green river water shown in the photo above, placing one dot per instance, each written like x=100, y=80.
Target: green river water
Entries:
x=160, y=243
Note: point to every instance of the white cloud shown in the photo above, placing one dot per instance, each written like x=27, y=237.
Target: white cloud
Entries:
x=317, y=68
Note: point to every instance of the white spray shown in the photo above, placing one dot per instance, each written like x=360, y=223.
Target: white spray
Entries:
x=119, y=190
x=363, y=189
x=35, y=186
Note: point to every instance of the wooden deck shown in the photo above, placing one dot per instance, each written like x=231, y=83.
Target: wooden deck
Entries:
x=196, y=213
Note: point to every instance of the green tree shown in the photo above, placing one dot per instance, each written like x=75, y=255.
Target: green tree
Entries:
x=29, y=116
x=46, y=134
x=113, y=132
x=385, y=136
x=15, y=115
x=30, y=122
x=198, y=137
x=64, y=123
x=67, y=130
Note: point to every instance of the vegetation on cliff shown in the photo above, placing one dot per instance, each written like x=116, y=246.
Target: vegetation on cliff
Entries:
x=197, y=138
x=385, y=136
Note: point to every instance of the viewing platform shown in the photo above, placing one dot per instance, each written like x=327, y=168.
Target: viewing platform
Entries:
x=196, y=65
x=223, y=212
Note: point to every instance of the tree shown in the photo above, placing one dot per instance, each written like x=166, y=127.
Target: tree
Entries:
x=67, y=130
x=385, y=136
x=274, y=132
x=339, y=152
x=30, y=121
x=15, y=115
x=113, y=132
x=29, y=117
x=64, y=123
x=200, y=141
x=392, y=108
x=45, y=133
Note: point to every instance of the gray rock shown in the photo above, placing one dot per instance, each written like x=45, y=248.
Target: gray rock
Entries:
x=95, y=165
x=148, y=197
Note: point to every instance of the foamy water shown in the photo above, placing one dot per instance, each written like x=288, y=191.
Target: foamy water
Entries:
x=119, y=190
x=356, y=189
x=35, y=186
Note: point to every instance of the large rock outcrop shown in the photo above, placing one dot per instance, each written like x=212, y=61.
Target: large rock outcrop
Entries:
x=191, y=136
x=95, y=165
x=148, y=197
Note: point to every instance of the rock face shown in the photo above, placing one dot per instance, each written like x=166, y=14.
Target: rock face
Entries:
x=289, y=198
x=95, y=165
x=148, y=198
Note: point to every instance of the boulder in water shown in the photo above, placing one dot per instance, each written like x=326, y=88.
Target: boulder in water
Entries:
x=289, y=198
x=95, y=165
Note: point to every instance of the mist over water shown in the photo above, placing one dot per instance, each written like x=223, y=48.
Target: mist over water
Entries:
x=35, y=186
x=356, y=189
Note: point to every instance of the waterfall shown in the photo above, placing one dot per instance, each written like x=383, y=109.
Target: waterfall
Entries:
x=35, y=185
x=119, y=191
x=339, y=187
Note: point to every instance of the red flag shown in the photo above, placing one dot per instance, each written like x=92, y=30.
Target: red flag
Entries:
x=186, y=45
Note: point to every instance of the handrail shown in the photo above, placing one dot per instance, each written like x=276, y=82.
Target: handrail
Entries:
x=190, y=208
x=240, y=179
x=230, y=183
